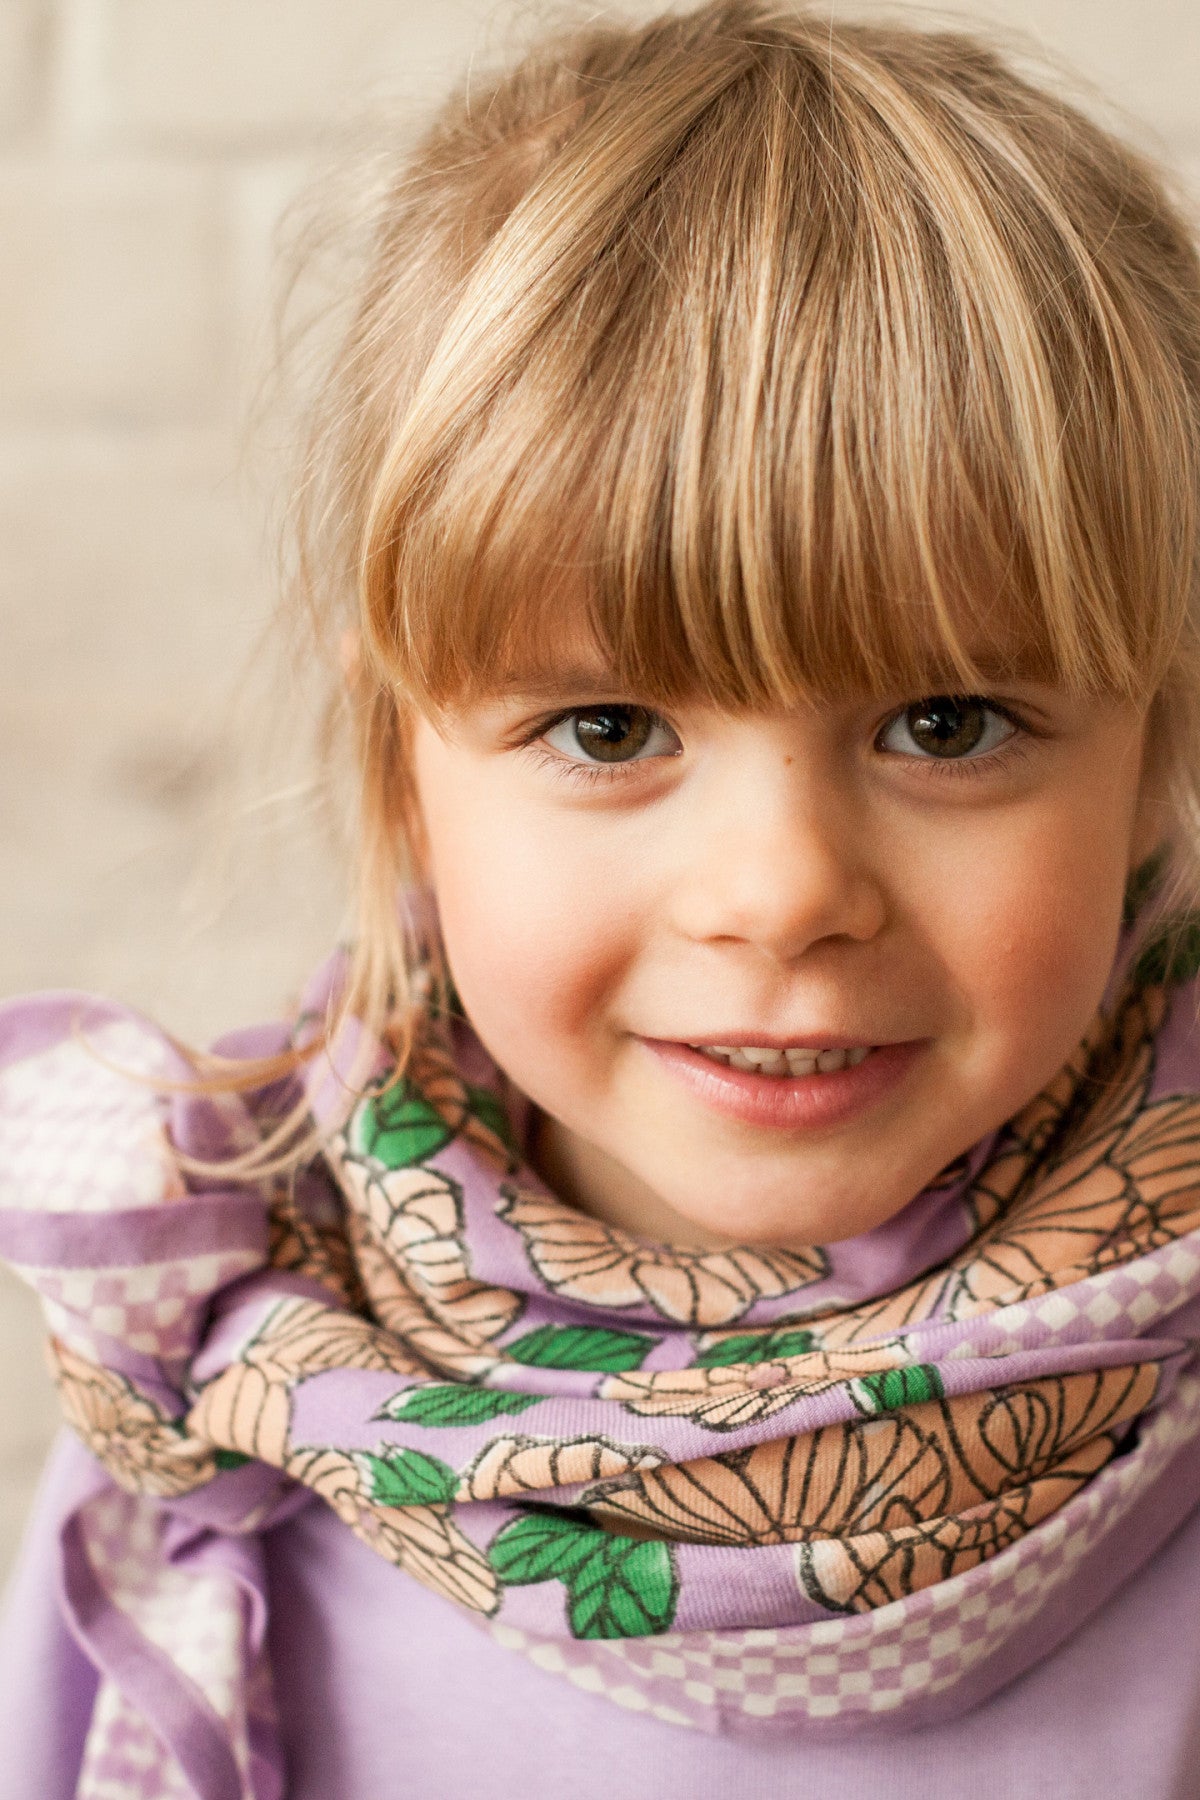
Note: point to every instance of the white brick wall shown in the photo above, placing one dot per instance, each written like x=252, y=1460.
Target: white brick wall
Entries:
x=146, y=150
x=1142, y=55
x=24, y=29
x=119, y=315
x=240, y=75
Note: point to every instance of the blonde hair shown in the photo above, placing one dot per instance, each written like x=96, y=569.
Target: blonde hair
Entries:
x=789, y=357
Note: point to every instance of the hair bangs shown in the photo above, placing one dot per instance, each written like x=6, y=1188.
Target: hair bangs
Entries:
x=789, y=397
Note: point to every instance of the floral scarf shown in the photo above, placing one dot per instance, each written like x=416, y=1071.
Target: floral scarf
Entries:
x=748, y=1482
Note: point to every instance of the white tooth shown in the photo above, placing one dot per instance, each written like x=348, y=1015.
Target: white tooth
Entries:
x=829, y=1061
x=738, y=1059
x=757, y=1053
x=801, y=1062
x=716, y=1050
x=777, y=1065
x=857, y=1055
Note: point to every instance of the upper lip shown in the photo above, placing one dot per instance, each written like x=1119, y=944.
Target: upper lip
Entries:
x=773, y=1040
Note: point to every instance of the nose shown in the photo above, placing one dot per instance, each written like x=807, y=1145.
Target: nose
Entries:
x=779, y=858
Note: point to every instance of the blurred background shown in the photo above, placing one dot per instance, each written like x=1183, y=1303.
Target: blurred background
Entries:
x=149, y=847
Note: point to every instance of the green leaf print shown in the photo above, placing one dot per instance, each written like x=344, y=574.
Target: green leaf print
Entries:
x=580, y=1347
x=891, y=1389
x=626, y=1588
x=754, y=1347
x=542, y=1546
x=453, y=1404
x=407, y=1478
x=399, y=1127
x=616, y=1586
x=230, y=1459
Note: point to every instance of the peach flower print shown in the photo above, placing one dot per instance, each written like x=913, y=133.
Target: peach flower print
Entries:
x=422, y=1539
x=906, y=1498
x=530, y=1465
x=581, y=1259
x=311, y=1242
x=407, y=1229
x=248, y=1407
x=441, y=1348
x=722, y=1398
x=142, y=1447
x=858, y=1570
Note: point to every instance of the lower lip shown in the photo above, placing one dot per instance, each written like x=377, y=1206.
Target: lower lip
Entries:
x=789, y=1103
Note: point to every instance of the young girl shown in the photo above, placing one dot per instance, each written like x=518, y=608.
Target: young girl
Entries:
x=704, y=1298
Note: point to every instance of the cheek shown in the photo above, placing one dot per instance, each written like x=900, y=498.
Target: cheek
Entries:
x=535, y=935
x=1031, y=941
x=522, y=957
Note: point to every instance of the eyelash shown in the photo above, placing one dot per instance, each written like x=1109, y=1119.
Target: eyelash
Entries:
x=1013, y=749
x=953, y=768
x=584, y=774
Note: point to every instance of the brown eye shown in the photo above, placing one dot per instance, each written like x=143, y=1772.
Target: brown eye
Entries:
x=612, y=734
x=948, y=727
x=943, y=726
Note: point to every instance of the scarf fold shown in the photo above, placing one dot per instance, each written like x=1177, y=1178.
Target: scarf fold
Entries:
x=745, y=1484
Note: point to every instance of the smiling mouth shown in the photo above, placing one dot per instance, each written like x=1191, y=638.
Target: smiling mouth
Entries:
x=789, y=1087
x=784, y=1064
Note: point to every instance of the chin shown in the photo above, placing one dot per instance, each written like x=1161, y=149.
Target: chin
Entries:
x=762, y=1229
x=770, y=1223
